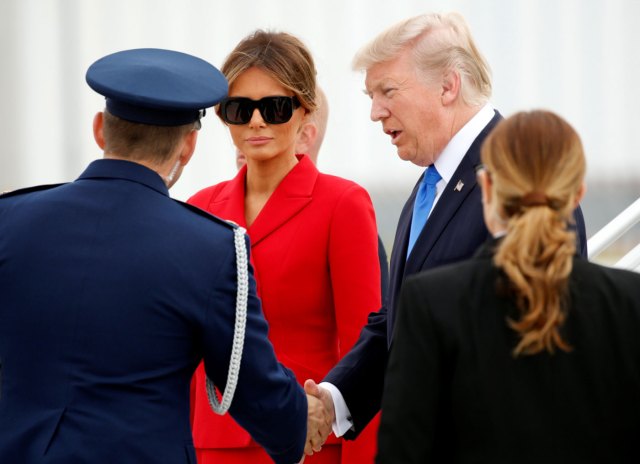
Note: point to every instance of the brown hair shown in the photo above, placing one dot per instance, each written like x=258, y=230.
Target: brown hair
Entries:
x=136, y=141
x=282, y=56
x=537, y=166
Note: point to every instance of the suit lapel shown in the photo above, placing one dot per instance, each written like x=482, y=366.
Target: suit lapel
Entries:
x=400, y=243
x=451, y=200
x=444, y=211
x=291, y=196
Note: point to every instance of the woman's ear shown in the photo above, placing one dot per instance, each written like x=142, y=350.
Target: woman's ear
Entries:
x=580, y=195
x=98, y=133
x=492, y=213
x=484, y=180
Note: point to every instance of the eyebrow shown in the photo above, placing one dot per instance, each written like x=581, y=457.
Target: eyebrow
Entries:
x=382, y=84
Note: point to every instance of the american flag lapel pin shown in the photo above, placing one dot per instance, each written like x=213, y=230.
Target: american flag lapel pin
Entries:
x=458, y=187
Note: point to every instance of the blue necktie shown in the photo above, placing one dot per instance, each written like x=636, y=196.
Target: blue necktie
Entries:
x=423, y=203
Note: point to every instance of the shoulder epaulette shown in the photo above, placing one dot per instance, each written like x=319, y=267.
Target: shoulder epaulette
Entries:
x=22, y=191
x=203, y=213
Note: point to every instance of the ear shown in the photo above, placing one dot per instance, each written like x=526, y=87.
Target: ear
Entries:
x=580, y=195
x=450, y=87
x=98, y=134
x=189, y=147
x=306, y=138
x=484, y=179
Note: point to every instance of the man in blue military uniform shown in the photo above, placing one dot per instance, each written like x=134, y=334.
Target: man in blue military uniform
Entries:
x=111, y=292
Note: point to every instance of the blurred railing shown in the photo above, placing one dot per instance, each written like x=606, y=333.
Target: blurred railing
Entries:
x=605, y=237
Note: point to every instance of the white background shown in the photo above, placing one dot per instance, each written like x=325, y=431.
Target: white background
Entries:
x=579, y=58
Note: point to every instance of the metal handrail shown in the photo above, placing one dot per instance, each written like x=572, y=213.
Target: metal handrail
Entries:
x=612, y=231
x=631, y=260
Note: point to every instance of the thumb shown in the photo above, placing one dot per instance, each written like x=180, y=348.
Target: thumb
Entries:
x=312, y=388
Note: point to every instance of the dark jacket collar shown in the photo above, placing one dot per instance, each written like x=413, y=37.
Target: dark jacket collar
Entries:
x=488, y=248
x=127, y=170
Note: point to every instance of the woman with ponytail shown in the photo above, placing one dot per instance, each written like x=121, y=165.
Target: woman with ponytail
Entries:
x=527, y=352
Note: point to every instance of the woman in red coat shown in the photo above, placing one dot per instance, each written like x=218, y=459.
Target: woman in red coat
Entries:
x=313, y=238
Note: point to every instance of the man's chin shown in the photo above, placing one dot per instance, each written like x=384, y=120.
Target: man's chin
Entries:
x=403, y=155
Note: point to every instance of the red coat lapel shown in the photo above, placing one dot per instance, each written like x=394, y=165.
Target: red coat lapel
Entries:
x=229, y=202
x=292, y=195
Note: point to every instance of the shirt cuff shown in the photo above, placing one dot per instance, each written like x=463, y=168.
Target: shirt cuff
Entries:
x=343, y=422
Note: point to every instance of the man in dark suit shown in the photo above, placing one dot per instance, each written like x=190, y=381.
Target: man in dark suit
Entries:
x=430, y=88
x=111, y=292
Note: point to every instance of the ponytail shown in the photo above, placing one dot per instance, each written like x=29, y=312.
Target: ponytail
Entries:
x=536, y=164
x=536, y=257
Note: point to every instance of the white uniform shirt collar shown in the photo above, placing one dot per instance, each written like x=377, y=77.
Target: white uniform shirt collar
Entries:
x=452, y=155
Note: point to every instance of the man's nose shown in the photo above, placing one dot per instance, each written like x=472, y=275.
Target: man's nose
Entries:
x=378, y=110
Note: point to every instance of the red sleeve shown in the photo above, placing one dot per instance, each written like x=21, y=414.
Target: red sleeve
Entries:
x=355, y=277
x=354, y=264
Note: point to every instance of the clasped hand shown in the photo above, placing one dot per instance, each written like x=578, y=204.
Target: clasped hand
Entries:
x=320, y=416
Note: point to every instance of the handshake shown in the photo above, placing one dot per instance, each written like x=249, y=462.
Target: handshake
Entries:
x=320, y=418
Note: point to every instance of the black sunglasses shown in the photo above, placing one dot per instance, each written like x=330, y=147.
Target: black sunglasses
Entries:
x=274, y=110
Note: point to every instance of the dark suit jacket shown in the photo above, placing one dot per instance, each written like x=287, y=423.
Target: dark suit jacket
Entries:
x=111, y=293
x=454, y=392
x=454, y=231
x=384, y=272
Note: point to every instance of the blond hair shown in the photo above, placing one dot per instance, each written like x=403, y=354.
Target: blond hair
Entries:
x=284, y=57
x=537, y=166
x=440, y=43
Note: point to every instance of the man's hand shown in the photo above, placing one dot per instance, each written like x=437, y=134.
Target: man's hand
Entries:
x=320, y=418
